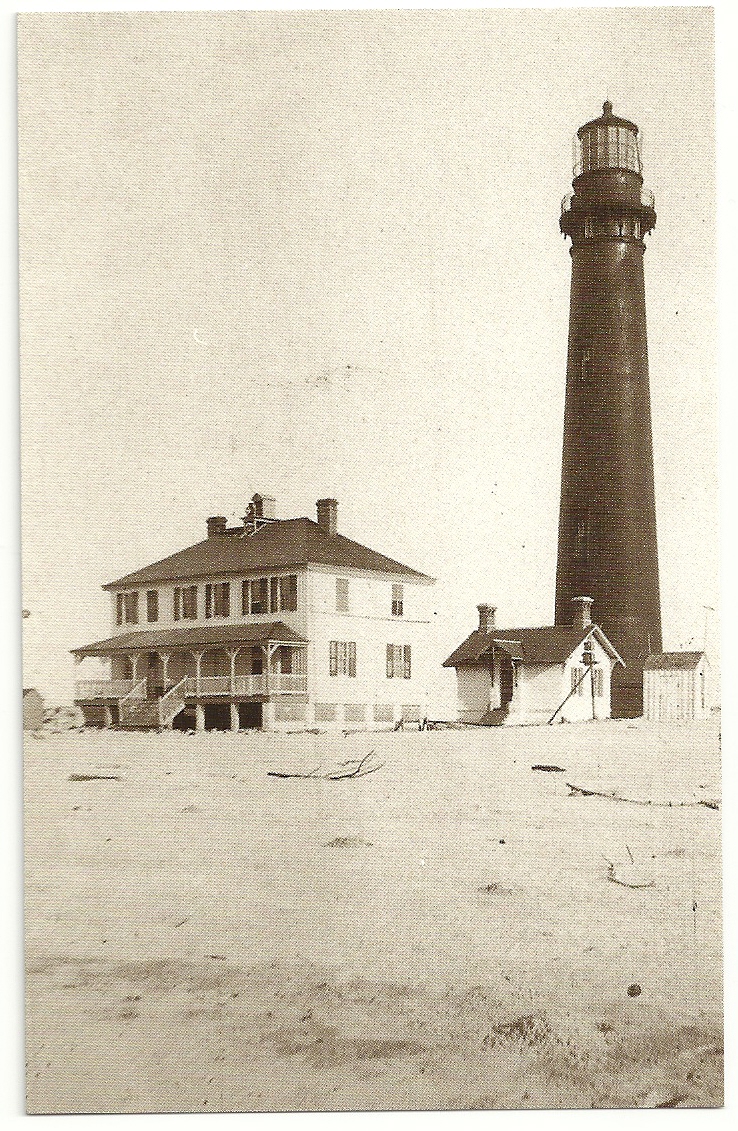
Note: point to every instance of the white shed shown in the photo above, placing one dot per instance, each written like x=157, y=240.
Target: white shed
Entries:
x=557, y=673
x=675, y=686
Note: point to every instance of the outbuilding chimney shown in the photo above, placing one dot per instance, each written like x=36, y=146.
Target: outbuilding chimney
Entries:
x=216, y=525
x=264, y=506
x=582, y=611
x=328, y=516
x=486, y=618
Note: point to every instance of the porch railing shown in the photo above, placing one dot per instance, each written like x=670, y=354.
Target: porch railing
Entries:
x=102, y=688
x=278, y=682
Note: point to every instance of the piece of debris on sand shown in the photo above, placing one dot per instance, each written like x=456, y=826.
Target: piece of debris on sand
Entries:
x=95, y=777
x=354, y=768
x=348, y=842
x=550, y=769
x=628, y=876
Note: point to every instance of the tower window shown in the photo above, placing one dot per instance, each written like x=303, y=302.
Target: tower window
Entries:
x=584, y=367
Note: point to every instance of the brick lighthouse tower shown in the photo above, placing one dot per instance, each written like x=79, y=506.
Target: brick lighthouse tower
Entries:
x=607, y=521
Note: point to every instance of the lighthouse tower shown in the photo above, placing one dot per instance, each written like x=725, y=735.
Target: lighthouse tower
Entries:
x=607, y=521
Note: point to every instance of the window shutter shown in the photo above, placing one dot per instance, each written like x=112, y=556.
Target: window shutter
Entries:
x=390, y=661
x=406, y=662
x=274, y=595
x=177, y=593
x=244, y=598
x=134, y=607
x=208, y=601
x=333, y=657
x=226, y=600
x=352, y=658
x=119, y=609
x=288, y=593
x=342, y=652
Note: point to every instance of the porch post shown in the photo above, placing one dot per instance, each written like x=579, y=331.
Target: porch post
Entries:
x=267, y=664
x=198, y=662
x=235, y=722
x=199, y=717
x=107, y=717
x=164, y=656
x=233, y=652
x=134, y=657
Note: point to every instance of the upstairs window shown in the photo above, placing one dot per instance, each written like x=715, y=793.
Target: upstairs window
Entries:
x=128, y=608
x=342, y=595
x=152, y=605
x=269, y=595
x=342, y=658
x=222, y=599
x=259, y=595
x=399, y=661
x=185, y=602
x=397, y=600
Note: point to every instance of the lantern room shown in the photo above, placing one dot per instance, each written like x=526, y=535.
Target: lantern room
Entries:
x=607, y=142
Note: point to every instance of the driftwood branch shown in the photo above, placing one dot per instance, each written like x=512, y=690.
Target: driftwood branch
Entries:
x=578, y=791
x=358, y=772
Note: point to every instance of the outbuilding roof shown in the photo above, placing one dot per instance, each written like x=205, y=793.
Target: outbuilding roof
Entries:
x=665, y=661
x=282, y=544
x=551, y=644
x=208, y=636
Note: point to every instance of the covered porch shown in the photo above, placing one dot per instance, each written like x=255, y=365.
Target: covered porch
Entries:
x=156, y=677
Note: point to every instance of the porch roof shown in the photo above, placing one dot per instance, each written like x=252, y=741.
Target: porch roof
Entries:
x=200, y=636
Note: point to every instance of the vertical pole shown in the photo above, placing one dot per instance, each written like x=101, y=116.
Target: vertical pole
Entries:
x=232, y=654
x=199, y=717
x=164, y=656
x=234, y=716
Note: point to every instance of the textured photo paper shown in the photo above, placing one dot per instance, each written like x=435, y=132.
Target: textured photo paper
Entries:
x=371, y=671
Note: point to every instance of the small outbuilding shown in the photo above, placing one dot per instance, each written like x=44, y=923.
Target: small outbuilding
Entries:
x=675, y=686
x=33, y=709
x=534, y=675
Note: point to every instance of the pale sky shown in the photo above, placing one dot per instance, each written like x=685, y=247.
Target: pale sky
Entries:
x=316, y=254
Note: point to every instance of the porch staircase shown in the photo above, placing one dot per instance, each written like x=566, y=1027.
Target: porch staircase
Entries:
x=139, y=713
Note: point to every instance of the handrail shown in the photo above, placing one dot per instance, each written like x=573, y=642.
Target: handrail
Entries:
x=138, y=691
x=170, y=695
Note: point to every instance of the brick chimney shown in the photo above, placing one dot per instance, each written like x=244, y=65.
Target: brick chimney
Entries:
x=264, y=506
x=486, y=618
x=328, y=516
x=216, y=525
x=582, y=611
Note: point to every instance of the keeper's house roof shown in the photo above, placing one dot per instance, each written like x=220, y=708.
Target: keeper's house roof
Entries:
x=672, y=661
x=208, y=636
x=549, y=645
x=281, y=544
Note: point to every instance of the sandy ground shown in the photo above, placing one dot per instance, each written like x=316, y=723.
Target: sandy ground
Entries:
x=442, y=933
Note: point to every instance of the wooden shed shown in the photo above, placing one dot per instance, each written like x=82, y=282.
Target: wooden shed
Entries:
x=675, y=686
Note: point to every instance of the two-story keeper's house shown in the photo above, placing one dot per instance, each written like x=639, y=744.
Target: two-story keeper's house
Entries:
x=276, y=624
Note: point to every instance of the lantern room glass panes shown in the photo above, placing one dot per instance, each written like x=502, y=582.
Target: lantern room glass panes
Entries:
x=608, y=147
